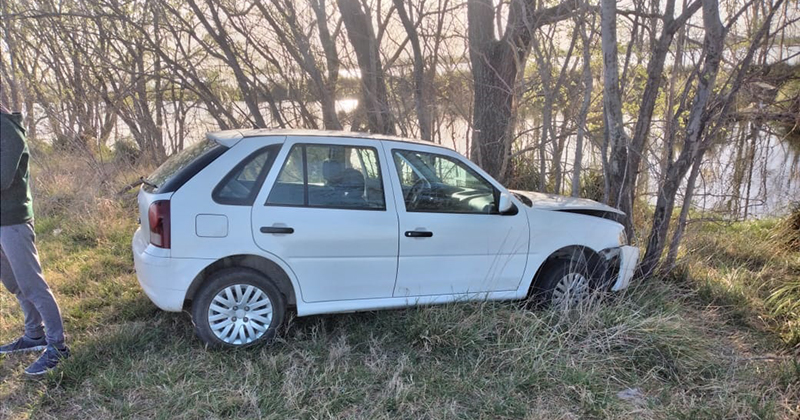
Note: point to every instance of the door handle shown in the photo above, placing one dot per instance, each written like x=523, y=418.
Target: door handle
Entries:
x=277, y=229
x=418, y=234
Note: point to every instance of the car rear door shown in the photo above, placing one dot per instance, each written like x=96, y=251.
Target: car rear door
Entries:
x=328, y=213
x=452, y=239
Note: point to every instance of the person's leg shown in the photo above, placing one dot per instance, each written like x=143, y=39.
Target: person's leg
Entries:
x=18, y=246
x=34, y=328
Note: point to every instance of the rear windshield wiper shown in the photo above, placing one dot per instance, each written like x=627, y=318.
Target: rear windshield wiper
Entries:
x=135, y=184
x=146, y=182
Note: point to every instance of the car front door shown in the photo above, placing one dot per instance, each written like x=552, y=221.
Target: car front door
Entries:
x=452, y=238
x=327, y=212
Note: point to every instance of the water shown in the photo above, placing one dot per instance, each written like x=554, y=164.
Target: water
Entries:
x=774, y=179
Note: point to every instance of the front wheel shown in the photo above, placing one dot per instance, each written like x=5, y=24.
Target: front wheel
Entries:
x=564, y=283
x=238, y=307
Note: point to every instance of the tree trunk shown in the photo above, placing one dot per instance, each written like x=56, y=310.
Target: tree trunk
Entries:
x=626, y=154
x=10, y=93
x=495, y=64
x=300, y=51
x=332, y=61
x=670, y=123
x=546, y=77
x=560, y=140
x=694, y=147
x=220, y=35
x=584, y=112
x=677, y=236
x=420, y=94
x=655, y=69
x=159, y=93
x=373, y=87
x=617, y=170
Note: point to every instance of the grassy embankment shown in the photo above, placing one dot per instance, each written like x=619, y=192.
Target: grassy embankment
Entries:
x=707, y=343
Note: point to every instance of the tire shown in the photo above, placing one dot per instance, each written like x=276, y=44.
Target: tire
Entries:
x=218, y=306
x=564, y=283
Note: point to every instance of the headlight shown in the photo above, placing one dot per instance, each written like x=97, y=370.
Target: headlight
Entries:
x=623, y=238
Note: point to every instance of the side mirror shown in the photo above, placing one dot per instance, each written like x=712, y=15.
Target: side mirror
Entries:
x=505, y=205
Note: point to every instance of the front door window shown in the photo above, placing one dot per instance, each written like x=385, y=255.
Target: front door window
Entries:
x=441, y=184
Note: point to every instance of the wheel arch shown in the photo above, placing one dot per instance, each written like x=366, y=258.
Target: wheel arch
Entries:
x=595, y=261
x=263, y=265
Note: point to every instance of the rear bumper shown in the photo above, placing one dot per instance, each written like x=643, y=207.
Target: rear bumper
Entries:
x=622, y=262
x=164, y=280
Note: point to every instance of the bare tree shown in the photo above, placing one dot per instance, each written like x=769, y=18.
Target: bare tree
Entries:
x=706, y=110
x=587, y=99
x=420, y=91
x=373, y=87
x=626, y=153
x=495, y=65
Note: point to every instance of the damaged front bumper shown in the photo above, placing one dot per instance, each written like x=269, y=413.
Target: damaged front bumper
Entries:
x=620, y=262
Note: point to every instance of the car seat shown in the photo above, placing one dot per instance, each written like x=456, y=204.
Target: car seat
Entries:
x=347, y=183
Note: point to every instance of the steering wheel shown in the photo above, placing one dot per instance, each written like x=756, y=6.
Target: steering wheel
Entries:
x=414, y=194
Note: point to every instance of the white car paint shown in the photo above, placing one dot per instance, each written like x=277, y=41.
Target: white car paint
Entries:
x=340, y=260
x=485, y=252
x=559, y=202
x=338, y=254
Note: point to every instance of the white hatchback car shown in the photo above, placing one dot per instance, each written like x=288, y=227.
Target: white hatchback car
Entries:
x=246, y=224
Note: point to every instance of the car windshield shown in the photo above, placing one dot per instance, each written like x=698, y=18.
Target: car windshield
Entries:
x=177, y=162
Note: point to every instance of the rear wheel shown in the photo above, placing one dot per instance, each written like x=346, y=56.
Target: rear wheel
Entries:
x=238, y=307
x=565, y=283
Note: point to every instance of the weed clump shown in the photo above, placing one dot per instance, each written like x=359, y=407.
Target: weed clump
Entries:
x=790, y=229
x=127, y=152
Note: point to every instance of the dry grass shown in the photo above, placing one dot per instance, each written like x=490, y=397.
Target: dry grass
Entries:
x=678, y=351
x=752, y=270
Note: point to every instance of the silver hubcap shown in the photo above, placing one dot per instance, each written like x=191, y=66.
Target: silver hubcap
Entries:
x=571, y=290
x=240, y=314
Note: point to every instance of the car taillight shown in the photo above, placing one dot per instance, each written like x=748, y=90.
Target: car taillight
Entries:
x=159, y=223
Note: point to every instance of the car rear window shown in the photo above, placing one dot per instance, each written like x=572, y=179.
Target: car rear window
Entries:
x=182, y=166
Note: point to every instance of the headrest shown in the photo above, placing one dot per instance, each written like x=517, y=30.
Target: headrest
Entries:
x=331, y=169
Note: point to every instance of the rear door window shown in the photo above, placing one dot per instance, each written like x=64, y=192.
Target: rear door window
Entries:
x=330, y=176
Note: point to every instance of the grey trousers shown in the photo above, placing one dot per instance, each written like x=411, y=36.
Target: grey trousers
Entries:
x=21, y=273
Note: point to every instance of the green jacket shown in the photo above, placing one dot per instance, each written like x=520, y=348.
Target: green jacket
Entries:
x=16, y=205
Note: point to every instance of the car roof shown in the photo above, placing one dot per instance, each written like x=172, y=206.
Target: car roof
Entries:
x=231, y=137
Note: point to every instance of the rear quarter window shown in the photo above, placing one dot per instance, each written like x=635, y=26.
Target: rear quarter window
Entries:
x=182, y=166
x=241, y=185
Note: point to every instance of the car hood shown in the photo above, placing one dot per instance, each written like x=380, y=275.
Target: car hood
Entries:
x=555, y=202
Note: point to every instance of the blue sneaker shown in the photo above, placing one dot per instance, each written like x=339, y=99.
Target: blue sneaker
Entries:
x=47, y=361
x=23, y=344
